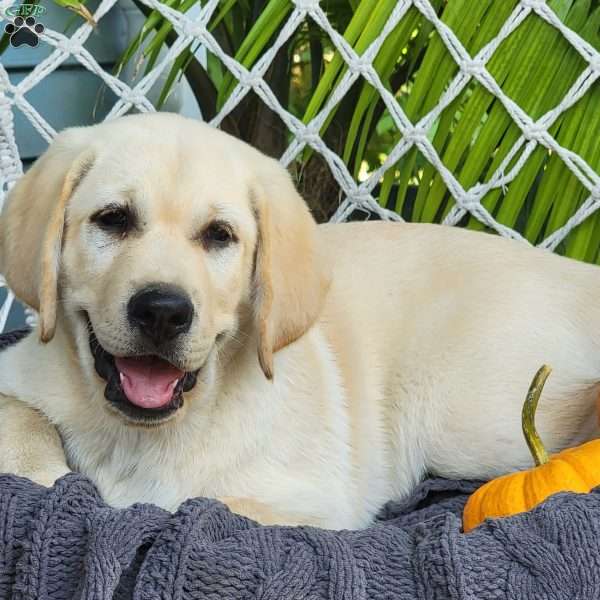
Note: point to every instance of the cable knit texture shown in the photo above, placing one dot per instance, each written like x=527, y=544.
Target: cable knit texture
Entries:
x=65, y=543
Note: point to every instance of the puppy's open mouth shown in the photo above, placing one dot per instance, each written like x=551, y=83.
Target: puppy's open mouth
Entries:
x=146, y=389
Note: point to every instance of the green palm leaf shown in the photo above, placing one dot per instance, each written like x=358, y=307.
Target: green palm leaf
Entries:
x=535, y=67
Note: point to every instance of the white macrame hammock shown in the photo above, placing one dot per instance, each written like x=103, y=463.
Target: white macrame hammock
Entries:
x=357, y=195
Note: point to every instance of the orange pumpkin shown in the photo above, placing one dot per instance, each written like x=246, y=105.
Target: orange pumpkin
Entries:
x=573, y=470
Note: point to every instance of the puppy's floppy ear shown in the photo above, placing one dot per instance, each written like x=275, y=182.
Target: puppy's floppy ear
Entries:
x=290, y=279
x=32, y=223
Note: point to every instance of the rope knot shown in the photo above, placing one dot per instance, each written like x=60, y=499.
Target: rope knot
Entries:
x=134, y=97
x=361, y=199
x=250, y=79
x=361, y=66
x=310, y=138
x=192, y=29
x=415, y=134
x=10, y=93
x=68, y=45
x=6, y=162
x=306, y=5
x=595, y=63
x=533, y=4
x=533, y=132
x=473, y=66
x=470, y=203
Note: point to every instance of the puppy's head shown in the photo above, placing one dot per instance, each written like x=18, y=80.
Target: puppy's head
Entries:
x=159, y=243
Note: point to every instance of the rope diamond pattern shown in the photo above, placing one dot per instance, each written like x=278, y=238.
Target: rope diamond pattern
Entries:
x=357, y=195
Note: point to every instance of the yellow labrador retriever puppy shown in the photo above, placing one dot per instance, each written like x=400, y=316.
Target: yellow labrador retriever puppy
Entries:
x=200, y=335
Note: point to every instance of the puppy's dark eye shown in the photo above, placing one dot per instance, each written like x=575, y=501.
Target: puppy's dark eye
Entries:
x=218, y=235
x=114, y=219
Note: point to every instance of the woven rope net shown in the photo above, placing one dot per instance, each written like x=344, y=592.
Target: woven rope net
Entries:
x=356, y=194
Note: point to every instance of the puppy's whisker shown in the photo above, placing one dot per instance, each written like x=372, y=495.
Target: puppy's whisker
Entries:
x=237, y=340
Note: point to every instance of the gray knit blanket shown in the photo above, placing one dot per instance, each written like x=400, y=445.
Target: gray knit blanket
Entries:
x=64, y=542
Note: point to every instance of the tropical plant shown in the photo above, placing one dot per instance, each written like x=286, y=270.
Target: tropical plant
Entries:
x=534, y=66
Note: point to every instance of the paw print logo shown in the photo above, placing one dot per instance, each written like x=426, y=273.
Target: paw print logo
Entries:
x=24, y=31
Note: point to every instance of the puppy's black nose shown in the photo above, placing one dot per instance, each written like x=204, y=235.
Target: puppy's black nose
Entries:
x=161, y=313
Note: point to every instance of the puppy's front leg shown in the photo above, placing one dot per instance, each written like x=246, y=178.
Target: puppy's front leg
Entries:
x=264, y=514
x=29, y=444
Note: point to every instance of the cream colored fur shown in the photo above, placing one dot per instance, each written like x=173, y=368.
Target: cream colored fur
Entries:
x=395, y=350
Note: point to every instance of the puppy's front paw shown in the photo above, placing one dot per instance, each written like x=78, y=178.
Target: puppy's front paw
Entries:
x=29, y=444
x=250, y=508
x=264, y=514
x=47, y=475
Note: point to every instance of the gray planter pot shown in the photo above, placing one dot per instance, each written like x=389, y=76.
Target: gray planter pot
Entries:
x=72, y=95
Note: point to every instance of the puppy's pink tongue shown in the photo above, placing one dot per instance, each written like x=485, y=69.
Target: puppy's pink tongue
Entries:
x=148, y=381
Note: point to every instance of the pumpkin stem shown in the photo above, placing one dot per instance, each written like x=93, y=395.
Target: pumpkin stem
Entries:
x=536, y=447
